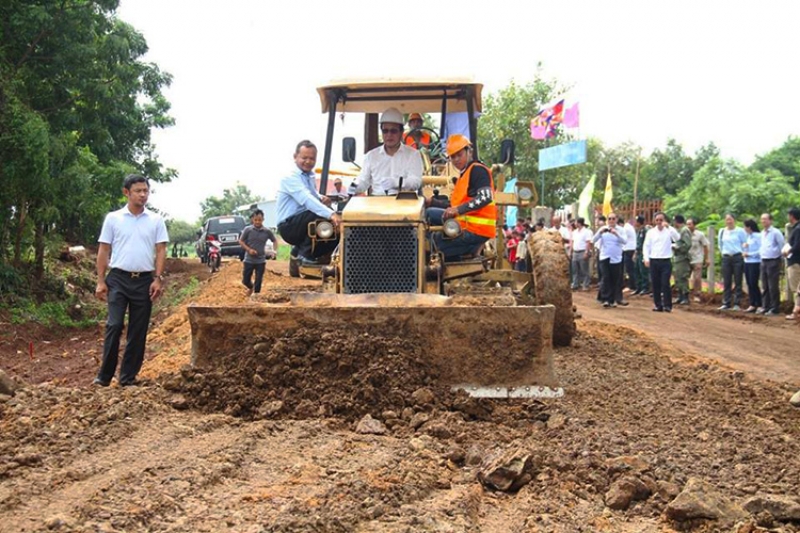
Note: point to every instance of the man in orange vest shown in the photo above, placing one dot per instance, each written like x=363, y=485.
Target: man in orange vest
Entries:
x=417, y=138
x=471, y=203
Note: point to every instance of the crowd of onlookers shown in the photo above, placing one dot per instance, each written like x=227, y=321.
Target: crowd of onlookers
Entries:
x=638, y=257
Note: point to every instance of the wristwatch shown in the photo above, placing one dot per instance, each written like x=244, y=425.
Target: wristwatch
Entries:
x=160, y=277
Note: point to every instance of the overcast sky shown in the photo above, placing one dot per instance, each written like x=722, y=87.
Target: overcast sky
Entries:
x=245, y=72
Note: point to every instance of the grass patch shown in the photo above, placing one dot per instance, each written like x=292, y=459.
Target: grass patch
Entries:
x=175, y=298
x=284, y=251
x=65, y=314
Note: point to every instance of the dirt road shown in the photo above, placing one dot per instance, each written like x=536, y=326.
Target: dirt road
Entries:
x=639, y=424
x=766, y=347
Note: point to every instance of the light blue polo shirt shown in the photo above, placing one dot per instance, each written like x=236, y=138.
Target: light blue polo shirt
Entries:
x=133, y=239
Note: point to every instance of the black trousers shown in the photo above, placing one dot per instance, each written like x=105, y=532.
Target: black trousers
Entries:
x=611, y=290
x=660, y=272
x=294, y=230
x=752, y=273
x=133, y=295
x=770, y=289
x=732, y=270
x=630, y=269
x=247, y=275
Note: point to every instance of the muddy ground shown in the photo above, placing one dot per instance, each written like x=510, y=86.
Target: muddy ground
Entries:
x=643, y=423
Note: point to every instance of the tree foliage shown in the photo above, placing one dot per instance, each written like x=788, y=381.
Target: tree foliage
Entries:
x=231, y=199
x=725, y=186
x=181, y=231
x=77, y=105
x=507, y=115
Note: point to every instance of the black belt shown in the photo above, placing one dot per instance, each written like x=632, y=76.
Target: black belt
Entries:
x=771, y=259
x=730, y=255
x=132, y=274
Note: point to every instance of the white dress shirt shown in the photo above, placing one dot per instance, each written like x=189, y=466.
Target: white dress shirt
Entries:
x=133, y=238
x=382, y=171
x=630, y=238
x=580, y=238
x=658, y=243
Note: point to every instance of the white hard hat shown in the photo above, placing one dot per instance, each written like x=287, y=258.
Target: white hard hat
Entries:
x=392, y=116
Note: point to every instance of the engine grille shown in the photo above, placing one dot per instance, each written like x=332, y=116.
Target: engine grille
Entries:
x=380, y=259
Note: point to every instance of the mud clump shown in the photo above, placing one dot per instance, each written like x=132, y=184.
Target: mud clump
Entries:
x=305, y=374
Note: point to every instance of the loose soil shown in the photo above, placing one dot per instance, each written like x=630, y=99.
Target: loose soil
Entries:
x=228, y=452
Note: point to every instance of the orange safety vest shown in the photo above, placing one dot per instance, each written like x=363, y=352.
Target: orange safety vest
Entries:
x=424, y=140
x=482, y=221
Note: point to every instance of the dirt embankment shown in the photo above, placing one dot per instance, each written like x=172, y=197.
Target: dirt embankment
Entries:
x=635, y=432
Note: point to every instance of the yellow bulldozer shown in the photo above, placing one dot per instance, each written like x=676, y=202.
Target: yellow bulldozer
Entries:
x=491, y=328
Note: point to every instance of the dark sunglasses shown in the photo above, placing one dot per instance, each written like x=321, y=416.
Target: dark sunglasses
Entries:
x=390, y=130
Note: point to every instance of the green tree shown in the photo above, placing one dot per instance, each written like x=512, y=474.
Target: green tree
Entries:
x=785, y=159
x=231, y=200
x=725, y=186
x=77, y=106
x=181, y=231
x=507, y=115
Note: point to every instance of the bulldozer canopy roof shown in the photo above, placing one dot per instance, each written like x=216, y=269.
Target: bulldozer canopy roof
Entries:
x=407, y=95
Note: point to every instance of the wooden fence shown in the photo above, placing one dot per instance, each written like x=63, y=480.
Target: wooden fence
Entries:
x=646, y=208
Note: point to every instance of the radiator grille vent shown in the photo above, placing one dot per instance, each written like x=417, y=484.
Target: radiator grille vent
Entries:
x=380, y=259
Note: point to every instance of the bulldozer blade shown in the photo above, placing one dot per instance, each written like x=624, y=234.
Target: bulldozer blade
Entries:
x=530, y=391
x=484, y=346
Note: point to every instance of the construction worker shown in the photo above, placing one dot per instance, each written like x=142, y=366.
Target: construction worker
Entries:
x=417, y=138
x=385, y=166
x=471, y=203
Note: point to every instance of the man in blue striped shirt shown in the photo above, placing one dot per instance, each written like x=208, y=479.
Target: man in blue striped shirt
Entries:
x=731, y=245
x=612, y=238
x=771, y=245
x=299, y=204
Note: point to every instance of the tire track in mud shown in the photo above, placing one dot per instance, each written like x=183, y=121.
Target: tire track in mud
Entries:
x=79, y=489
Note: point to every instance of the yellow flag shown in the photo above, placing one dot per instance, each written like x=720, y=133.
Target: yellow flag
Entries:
x=608, y=196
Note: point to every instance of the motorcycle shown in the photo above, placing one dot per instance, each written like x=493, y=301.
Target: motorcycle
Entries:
x=214, y=255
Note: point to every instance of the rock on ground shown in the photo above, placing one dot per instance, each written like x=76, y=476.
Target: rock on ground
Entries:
x=624, y=491
x=700, y=500
x=7, y=385
x=370, y=426
x=782, y=508
x=509, y=471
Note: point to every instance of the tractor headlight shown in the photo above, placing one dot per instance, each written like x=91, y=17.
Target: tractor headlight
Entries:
x=525, y=194
x=324, y=230
x=451, y=228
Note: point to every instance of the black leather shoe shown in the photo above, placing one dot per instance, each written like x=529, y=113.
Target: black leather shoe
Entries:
x=658, y=309
x=133, y=383
x=100, y=383
x=623, y=303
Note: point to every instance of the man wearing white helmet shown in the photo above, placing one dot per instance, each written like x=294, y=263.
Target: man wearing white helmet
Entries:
x=387, y=164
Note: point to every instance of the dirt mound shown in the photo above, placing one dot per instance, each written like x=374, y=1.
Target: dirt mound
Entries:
x=302, y=374
x=551, y=278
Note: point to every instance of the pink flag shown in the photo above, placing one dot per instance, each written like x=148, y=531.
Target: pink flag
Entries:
x=538, y=132
x=572, y=116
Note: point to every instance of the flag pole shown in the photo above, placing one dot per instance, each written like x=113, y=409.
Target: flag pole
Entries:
x=636, y=184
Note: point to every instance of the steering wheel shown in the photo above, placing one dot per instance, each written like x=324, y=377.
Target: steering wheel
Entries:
x=434, y=148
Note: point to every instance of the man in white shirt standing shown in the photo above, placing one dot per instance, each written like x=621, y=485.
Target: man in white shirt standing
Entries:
x=135, y=240
x=657, y=251
x=385, y=166
x=581, y=245
x=628, y=251
x=557, y=227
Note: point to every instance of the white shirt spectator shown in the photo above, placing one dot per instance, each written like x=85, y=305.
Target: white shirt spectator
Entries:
x=382, y=171
x=658, y=243
x=630, y=238
x=564, y=232
x=133, y=239
x=580, y=238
